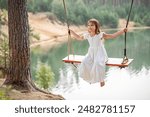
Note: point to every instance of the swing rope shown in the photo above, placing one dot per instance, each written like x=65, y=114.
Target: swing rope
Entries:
x=125, y=59
x=70, y=49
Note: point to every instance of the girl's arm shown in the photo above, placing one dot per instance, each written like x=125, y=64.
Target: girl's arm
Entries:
x=114, y=35
x=78, y=37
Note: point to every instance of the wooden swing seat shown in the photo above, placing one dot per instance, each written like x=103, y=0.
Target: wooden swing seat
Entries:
x=111, y=61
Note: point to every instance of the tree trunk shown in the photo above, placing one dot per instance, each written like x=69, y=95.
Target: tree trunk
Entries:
x=19, y=48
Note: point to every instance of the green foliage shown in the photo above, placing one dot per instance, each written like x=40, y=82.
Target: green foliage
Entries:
x=57, y=9
x=4, y=50
x=79, y=11
x=44, y=76
x=33, y=35
x=4, y=93
x=141, y=15
x=109, y=19
x=79, y=14
x=146, y=19
x=137, y=19
x=3, y=4
x=39, y=5
x=3, y=16
x=122, y=11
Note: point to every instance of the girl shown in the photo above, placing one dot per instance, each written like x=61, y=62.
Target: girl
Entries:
x=92, y=68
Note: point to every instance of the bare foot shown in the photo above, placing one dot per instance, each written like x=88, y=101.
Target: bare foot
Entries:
x=102, y=83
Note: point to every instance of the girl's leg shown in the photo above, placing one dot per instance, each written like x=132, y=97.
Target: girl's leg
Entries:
x=84, y=69
x=99, y=73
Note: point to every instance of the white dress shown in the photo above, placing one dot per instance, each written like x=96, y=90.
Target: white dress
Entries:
x=92, y=68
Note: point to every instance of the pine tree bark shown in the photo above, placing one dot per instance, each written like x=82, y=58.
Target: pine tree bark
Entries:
x=19, y=48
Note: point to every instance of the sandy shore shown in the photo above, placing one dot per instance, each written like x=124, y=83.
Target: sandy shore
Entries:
x=52, y=32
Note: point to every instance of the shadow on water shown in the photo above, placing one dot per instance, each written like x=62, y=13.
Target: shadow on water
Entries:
x=69, y=84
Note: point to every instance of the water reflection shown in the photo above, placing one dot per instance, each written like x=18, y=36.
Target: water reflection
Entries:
x=129, y=83
x=68, y=79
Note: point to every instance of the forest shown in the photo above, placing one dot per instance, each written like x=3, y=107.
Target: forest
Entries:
x=79, y=11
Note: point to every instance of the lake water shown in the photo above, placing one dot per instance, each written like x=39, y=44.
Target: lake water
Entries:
x=132, y=82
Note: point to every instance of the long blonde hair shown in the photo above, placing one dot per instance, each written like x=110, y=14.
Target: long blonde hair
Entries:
x=96, y=23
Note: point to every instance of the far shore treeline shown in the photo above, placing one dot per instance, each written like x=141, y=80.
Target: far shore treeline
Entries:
x=107, y=12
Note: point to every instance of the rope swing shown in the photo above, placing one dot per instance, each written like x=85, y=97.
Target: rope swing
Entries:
x=119, y=62
x=70, y=49
x=125, y=59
